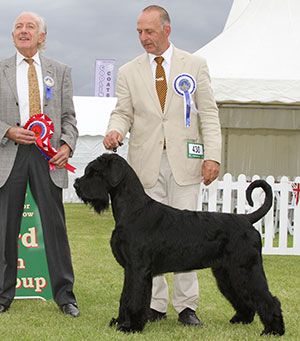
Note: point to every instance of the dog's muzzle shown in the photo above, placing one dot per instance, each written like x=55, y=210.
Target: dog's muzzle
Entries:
x=77, y=186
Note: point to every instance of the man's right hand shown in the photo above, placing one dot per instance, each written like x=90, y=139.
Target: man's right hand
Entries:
x=21, y=135
x=112, y=139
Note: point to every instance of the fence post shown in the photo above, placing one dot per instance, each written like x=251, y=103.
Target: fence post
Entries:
x=227, y=193
x=283, y=207
x=241, y=193
x=269, y=221
x=296, y=235
x=212, y=196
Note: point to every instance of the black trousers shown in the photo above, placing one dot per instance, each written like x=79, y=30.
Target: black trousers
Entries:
x=31, y=166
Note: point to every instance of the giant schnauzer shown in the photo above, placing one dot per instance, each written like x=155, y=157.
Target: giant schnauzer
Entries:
x=151, y=238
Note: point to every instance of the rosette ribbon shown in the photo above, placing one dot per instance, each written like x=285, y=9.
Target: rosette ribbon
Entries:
x=43, y=128
x=49, y=84
x=185, y=85
x=49, y=92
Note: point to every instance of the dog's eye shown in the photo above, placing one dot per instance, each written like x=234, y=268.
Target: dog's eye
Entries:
x=94, y=171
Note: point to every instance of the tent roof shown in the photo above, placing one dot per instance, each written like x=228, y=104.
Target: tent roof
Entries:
x=237, y=9
x=256, y=57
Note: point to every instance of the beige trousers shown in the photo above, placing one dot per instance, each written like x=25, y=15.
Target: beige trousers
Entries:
x=186, y=290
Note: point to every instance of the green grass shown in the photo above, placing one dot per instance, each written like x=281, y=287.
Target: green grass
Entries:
x=98, y=285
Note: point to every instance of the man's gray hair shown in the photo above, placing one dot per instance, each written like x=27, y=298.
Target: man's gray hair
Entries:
x=42, y=28
x=163, y=14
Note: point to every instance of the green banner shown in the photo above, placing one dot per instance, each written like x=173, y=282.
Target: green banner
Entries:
x=33, y=280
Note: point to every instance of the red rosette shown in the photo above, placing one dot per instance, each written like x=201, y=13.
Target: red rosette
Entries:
x=43, y=128
x=41, y=125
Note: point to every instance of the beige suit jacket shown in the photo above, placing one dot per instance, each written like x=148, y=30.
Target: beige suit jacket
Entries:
x=60, y=109
x=138, y=111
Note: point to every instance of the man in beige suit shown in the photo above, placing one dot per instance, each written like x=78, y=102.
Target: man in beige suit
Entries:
x=21, y=162
x=165, y=147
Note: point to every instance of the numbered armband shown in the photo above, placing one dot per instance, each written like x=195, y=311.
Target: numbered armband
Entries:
x=195, y=150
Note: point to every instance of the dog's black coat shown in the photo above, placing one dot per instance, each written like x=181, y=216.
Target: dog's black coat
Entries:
x=151, y=238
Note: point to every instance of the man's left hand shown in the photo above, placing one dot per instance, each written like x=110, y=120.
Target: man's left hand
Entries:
x=210, y=171
x=61, y=158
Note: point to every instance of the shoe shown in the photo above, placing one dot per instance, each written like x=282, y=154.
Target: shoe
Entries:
x=155, y=315
x=189, y=318
x=3, y=308
x=70, y=309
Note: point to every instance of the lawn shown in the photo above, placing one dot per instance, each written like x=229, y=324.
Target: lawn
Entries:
x=98, y=285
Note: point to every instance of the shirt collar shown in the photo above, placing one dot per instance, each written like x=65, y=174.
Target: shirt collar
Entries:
x=167, y=55
x=20, y=58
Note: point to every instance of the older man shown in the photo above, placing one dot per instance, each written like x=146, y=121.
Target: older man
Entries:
x=21, y=162
x=164, y=100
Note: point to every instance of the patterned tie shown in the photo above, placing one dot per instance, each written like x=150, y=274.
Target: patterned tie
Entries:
x=33, y=89
x=160, y=82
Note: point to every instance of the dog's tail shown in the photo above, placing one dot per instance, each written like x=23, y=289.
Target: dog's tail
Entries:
x=258, y=214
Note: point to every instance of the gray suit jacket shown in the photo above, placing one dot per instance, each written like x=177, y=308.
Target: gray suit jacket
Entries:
x=60, y=109
x=138, y=111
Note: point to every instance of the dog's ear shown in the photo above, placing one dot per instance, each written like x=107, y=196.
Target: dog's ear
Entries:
x=116, y=169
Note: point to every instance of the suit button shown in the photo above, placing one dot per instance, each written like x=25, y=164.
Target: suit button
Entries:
x=16, y=144
x=18, y=124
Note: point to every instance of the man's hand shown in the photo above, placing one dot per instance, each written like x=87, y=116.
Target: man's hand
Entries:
x=112, y=140
x=210, y=171
x=21, y=135
x=62, y=156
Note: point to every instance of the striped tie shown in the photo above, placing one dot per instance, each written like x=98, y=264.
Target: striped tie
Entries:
x=33, y=89
x=160, y=82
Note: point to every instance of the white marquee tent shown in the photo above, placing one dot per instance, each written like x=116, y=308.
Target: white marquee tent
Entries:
x=256, y=57
x=255, y=69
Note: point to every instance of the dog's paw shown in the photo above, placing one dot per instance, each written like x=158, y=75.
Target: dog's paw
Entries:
x=113, y=322
x=125, y=329
x=272, y=332
x=237, y=318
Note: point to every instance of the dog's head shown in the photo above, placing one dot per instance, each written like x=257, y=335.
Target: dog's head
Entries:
x=100, y=177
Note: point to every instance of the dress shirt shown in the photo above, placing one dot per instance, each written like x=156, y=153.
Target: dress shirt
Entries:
x=22, y=84
x=167, y=55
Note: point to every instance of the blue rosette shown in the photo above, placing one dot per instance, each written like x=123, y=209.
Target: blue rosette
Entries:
x=49, y=84
x=185, y=85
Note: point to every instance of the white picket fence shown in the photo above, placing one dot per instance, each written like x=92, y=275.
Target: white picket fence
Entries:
x=281, y=224
x=279, y=229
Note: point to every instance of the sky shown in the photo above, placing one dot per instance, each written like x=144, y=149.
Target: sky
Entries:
x=81, y=31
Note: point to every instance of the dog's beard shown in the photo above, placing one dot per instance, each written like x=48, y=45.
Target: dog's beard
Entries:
x=99, y=204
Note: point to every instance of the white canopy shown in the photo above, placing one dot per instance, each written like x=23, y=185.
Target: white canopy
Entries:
x=237, y=9
x=256, y=57
x=93, y=114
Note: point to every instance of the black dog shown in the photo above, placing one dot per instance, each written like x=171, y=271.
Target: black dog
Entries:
x=151, y=238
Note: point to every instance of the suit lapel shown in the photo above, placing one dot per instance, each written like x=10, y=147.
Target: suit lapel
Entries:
x=177, y=67
x=10, y=72
x=145, y=73
x=47, y=70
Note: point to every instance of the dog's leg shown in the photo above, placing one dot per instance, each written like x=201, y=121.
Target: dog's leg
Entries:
x=244, y=314
x=267, y=306
x=121, y=317
x=135, y=301
x=273, y=323
x=249, y=282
